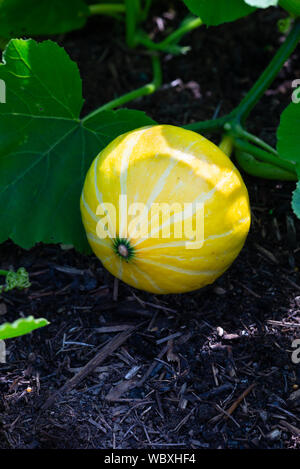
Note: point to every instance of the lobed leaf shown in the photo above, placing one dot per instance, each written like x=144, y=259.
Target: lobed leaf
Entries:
x=21, y=326
x=45, y=148
x=288, y=141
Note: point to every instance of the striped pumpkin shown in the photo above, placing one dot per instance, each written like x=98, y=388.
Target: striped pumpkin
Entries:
x=159, y=166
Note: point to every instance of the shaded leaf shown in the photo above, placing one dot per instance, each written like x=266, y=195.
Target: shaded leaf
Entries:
x=41, y=17
x=288, y=141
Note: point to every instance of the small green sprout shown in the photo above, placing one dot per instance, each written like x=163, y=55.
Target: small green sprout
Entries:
x=19, y=279
x=21, y=326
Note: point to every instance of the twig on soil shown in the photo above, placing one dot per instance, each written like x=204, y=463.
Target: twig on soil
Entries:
x=290, y=427
x=152, y=366
x=248, y=290
x=171, y=336
x=116, y=289
x=267, y=254
x=105, y=352
x=219, y=408
x=183, y=421
x=240, y=398
x=283, y=324
x=116, y=328
x=291, y=282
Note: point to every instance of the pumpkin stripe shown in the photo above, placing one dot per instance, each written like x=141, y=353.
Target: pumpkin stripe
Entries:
x=149, y=279
x=88, y=209
x=183, y=243
x=165, y=245
x=97, y=240
x=127, y=153
x=99, y=194
x=177, y=156
x=181, y=216
x=180, y=270
x=157, y=190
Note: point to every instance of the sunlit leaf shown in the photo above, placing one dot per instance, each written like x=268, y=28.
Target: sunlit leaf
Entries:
x=20, y=327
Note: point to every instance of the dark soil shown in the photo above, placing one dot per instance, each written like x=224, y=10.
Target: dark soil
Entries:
x=231, y=338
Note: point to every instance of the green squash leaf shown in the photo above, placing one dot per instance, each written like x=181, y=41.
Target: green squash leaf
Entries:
x=21, y=326
x=33, y=17
x=288, y=141
x=215, y=12
x=45, y=149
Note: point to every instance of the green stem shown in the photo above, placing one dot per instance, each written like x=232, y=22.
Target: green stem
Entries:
x=238, y=131
x=227, y=144
x=212, y=124
x=269, y=74
x=132, y=11
x=240, y=113
x=169, y=44
x=186, y=26
x=262, y=170
x=173, y=49
x=264, y=156
x=144, y=90
x=145, y=11
x=106, y=8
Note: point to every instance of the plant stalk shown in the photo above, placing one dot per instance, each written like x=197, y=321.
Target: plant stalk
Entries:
x=146, y=9
x=264, y=156
x=241, y=112
x=212, y=124
x=132, y=8
x=262, y=170
x=169, y=44
x=227, y=145
x=269, y=74
x=186, y=26
x=239, y=131
x=143, y=91
x=106, y=8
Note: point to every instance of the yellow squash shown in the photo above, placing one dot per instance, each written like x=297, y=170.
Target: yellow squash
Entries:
x=164, y=209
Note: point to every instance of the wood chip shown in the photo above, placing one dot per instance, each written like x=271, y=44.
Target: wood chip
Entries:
x=3, y=309
x=2, y=352
x=105, y=352
x=290, y=427
x=239, y=399
x=117, y=391
x=116, y=328
x=165, y=339
x=267, y=254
